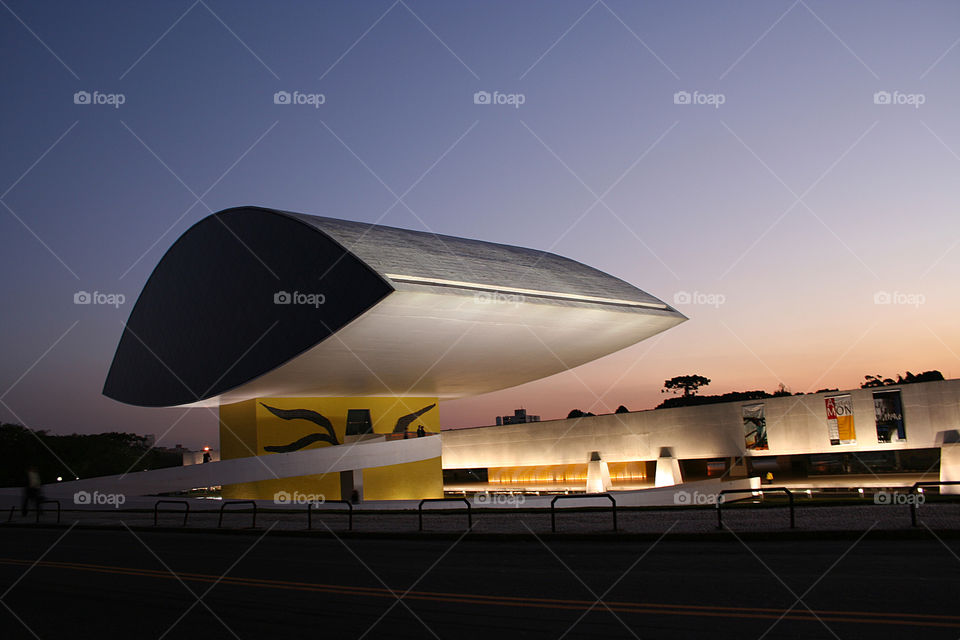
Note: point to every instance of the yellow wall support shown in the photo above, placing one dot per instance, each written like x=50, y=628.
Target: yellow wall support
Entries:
x=248, y=427
x=410, y=481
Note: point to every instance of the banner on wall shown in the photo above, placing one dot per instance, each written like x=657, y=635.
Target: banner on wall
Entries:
x=840, y=420
x=755, y=427
x=889, y=410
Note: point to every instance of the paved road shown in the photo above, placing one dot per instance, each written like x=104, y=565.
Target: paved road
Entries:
x=67, y=583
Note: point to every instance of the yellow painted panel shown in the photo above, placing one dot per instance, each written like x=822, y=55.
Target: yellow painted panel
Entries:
x=247, y=427
x=408, y=481
x=299, y=490
x=238, y=430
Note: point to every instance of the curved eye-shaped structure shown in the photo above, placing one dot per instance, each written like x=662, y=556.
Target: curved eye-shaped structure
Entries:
x=252, y=302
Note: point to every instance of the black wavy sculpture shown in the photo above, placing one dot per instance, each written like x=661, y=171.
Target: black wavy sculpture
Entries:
x=404, y=421
x=330, y=437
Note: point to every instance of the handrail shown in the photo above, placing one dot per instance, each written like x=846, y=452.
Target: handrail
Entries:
x=186, y=512
x=463, y=500
x=43, y=502
x=349, y=504
x=761, y=491
x=925, y=483
x=553, y=512
x=231, y=502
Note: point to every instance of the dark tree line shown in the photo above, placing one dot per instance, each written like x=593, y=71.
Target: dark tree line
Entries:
x=87, y=456
x=879, y=381
x=690, y=384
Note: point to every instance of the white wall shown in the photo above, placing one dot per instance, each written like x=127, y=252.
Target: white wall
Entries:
x=795, y=424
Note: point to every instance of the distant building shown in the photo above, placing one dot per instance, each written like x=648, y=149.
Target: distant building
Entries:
x=519, y=417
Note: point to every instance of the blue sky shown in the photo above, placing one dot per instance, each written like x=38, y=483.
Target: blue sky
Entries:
x=776, y=220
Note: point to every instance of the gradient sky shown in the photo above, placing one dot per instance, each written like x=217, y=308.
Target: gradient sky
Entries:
x=783, y=212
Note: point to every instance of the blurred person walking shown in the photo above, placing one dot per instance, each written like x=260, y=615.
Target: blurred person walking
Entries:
x=31, y=492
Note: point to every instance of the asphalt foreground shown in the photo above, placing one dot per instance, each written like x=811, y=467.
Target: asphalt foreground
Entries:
x=69, y=581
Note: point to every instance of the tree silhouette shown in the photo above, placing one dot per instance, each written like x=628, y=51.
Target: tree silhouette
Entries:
x=880, y=381
x=876, y=381
x=688, y=384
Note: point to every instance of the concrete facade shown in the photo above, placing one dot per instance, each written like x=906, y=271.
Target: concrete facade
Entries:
x=795, y=425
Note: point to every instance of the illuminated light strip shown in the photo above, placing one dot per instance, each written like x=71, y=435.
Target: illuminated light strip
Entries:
x=531, y=292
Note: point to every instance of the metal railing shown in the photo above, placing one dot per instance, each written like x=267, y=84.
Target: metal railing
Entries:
x=234, y=502
x=38, y=510
x=761, y=491
x=553, y=511
x=721, y=504
x=186, y=511
x=463, y=500
x=311, y=505
x=928, y=483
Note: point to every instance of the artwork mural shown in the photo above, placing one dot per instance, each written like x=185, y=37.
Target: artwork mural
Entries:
x=358, y=422
x=889, y=411
x=330, y=437
x=755, y=428
x=840, y=420
x=403, y=422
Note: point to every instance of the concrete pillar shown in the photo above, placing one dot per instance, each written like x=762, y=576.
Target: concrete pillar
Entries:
x=950, y=467
x=358, y=483
x=598, y=474
x=668, y=469
x=738, y=467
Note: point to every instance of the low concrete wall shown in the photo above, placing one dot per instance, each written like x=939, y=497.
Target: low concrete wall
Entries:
x=252, y=469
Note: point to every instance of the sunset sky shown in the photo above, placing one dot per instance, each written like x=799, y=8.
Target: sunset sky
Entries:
x=787, y=174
